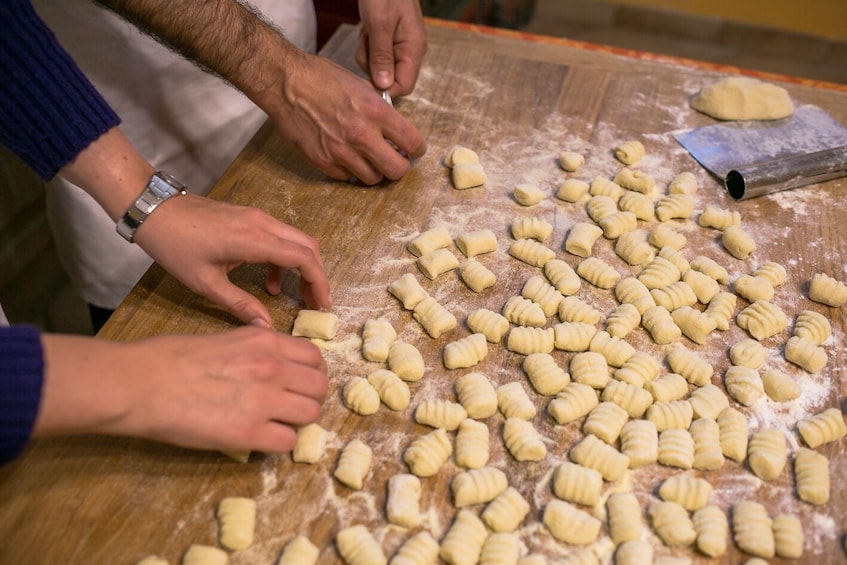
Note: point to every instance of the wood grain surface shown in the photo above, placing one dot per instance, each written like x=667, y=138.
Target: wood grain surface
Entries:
x=518, y=101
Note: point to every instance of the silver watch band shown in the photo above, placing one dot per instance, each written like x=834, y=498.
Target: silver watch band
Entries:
x=161, y=187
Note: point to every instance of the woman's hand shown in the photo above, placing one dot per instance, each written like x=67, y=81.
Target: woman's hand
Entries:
x=247, y=389
x=199, y=241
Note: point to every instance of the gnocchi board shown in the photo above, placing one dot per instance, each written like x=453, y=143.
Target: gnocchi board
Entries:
x=517, y=100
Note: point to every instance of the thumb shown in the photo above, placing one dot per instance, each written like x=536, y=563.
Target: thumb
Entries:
x=381, y=60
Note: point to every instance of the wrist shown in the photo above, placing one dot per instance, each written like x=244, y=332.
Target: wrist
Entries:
x=161, y=187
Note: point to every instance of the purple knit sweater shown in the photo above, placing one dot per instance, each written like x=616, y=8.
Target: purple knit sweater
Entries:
x=49, y=113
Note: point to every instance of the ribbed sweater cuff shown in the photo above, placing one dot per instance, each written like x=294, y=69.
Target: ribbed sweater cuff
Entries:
x=21, y=379
x=50, y=110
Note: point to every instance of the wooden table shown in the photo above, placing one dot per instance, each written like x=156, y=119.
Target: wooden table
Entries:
x=518, y=101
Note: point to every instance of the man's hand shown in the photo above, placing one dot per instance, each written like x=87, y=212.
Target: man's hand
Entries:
x=341, y=124
x=393, y=43
x=199, y=241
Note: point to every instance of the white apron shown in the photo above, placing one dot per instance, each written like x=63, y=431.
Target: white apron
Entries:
x=180, y=118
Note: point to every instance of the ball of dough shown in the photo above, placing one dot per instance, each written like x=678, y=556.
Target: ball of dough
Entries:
x=743, y=98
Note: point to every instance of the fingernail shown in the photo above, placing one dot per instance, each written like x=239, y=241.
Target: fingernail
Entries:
x=260, y=323
x=383, y=79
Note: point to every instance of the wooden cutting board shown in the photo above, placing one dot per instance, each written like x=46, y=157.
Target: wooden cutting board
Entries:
x=518, y=101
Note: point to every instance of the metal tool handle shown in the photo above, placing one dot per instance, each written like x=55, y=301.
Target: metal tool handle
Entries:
x=783, y=174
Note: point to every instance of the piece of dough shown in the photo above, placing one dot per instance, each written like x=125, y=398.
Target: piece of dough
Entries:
x=528, y=194
x=537, y=289
x=667, y=388
x=594, y=453
x=513, y=401
x=577, y=484
x=738, y=242
x=827, y=290
x=545, y=375
x=634, y=400
x=476, y=275
x=721, y=308
x=600, y=205
x=572, y=190
x=489, y=323
x=631, y=290
x=465, y=352
x=526, y=340
x=531, y=252
x=672, y=523
x=629, y=152
x=602, y=186
x=438, y=413
x=704, y=286
x=788, y=536
x=822, y=428
x=573, y=336
x=581, y=239
x=624, y=517
x=569, y=524
x=733, y=433
x=360, y=396
x=690, y=365
x=676, y=414
x=805, y=353
x=462, y=545
x=477, y=486
x=813, y=326
x=743, y=98
x=617, y=224
x=779, y=386
x=744, y=384
x=315, y=324
x=762, y=319
x=605, y=421
x=311, y=444
x=710, y=267
x=477, y=395
x=468, y=175
x=198, y=554
x=752, y=529
x=477, y=242
x=408, y=291
x=574, y=402
x=506, y=511
x=590, y=368
x=708, y=401
x=472, y=444
x=659, y=273
x=664, y=236
x=635, y=180
x=354, y=464
x=420, y=549
x=523, y=441
x=639, y=204
x=438, y=262
x=434, y=317
x=358, y=546
x=502, y=548
x=683, y=183
x=393, y=392
x=402, y=505
x=428, y=453
x=676, y=448
x=766, y=453
x=712, y=528
x=531, y=228
x=691, y=492
x=574, y=309
x=598, y=272
x=660, y=325
x=638, y=369
x=460, y=154
x=707, y=444
x=299, y=551
x=570, y=161
x=675, y=206
x=406, y=361
x=237, y=518
x=430, y=240
x=377, y=337
x=524, y=312
x=633, y=247
x=811, y=473
x=694, y=324
x=640, y=442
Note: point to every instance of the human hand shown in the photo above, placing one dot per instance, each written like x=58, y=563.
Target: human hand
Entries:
x=199, y=241
x=393, y=43
x=340, y=123
x=246, y=389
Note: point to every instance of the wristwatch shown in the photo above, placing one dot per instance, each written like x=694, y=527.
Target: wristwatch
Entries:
x=161, y=187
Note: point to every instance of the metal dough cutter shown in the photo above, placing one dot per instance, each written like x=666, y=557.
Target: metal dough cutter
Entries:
x=754, y=158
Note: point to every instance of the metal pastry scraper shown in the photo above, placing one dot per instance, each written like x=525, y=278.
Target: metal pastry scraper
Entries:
x=754, y=158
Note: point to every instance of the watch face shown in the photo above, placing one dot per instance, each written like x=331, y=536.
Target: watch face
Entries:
x=170, y=180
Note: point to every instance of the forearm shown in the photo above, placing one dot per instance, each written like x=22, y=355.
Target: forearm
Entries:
x=87, y=386
x=222, y=36
x=111, y=171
